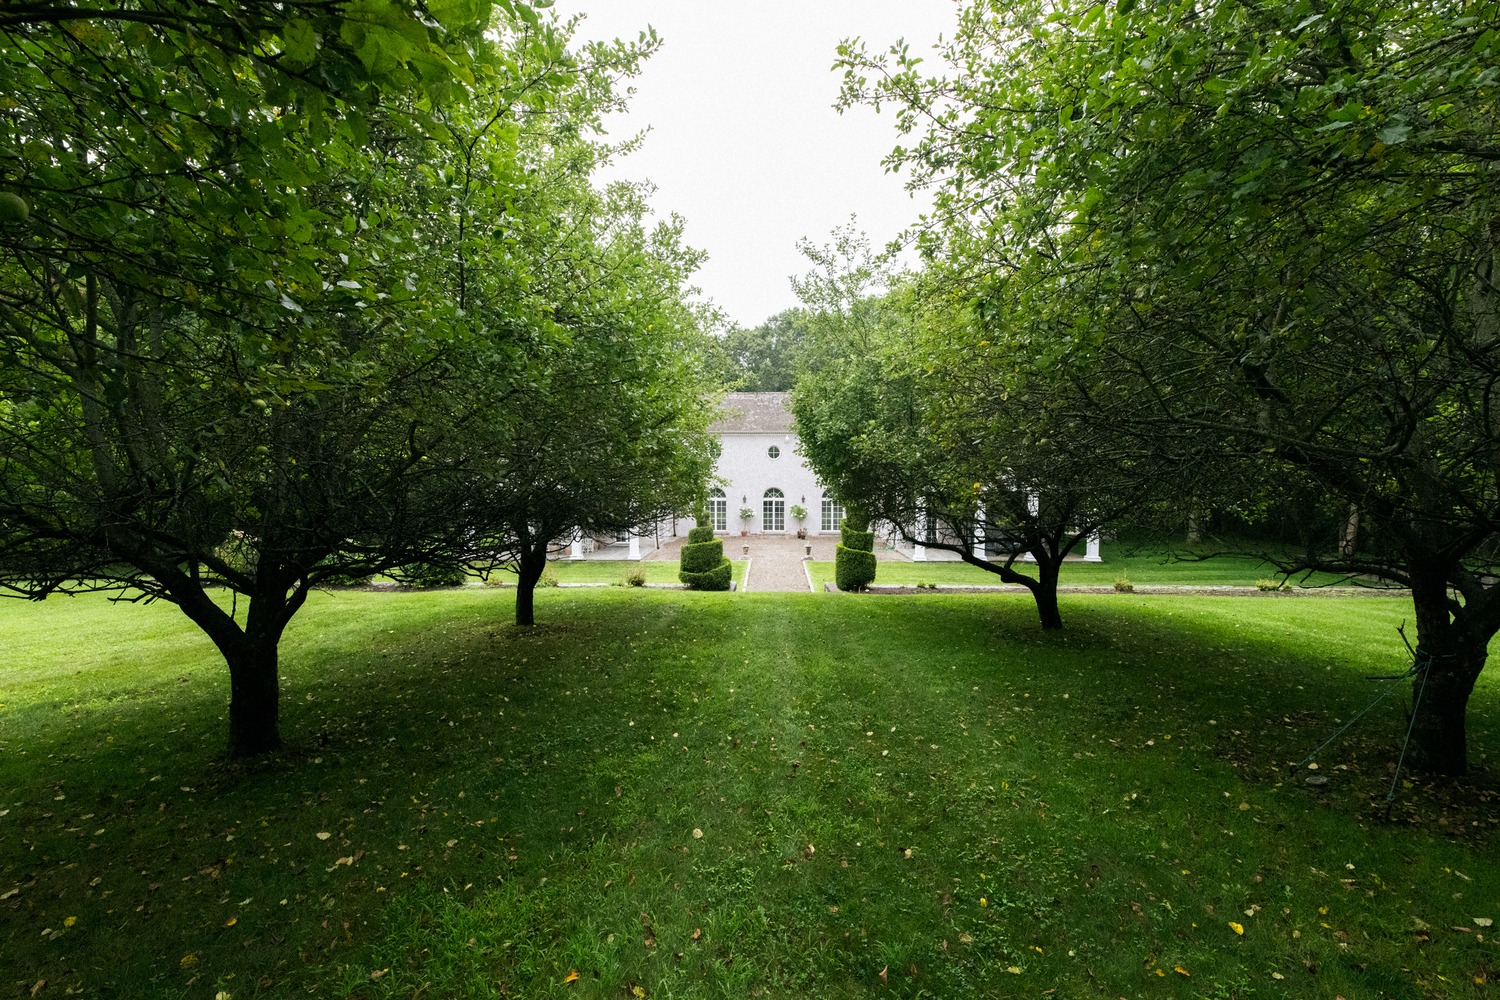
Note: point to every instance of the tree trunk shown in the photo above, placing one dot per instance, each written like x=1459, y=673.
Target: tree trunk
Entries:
x=533, y=562
x=1454, y=657
x=1350, y=538
x=1439, y=737
x=254, y=712
x=1045, y=592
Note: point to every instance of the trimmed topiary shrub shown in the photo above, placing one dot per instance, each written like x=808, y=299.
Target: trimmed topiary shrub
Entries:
x=704, y=566
x=854, y=559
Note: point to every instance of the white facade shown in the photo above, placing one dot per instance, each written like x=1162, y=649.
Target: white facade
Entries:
x=759, y=460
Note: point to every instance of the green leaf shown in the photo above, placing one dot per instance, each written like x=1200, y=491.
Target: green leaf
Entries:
x=301, y=41
x=454, y=14
x=1395, y=133
x=1125, y=6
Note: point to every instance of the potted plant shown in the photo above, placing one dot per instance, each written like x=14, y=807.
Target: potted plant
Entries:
x=746, y=513
x=799, y=514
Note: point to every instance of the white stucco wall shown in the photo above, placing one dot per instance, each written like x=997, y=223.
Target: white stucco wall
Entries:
x=748, y=470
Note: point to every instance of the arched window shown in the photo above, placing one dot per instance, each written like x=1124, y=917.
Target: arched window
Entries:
x=773, y=451
x=718, y=511
x=773, y=511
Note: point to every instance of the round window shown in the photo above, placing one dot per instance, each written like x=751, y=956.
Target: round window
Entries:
x=773, y=451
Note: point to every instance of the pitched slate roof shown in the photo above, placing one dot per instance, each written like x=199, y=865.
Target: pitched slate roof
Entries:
x=755, y=413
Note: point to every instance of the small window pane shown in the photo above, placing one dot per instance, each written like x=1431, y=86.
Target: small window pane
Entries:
x=773, y=451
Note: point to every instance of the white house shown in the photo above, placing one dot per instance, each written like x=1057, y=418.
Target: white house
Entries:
x=763, y=473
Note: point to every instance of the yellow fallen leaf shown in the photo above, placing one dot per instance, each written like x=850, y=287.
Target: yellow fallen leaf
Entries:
x=983, y=902
x=451, y=843
x=324, y=835
x=1322, y=909
x=1014, y=970
x=571, y=976
x=70, y=921
x=231, y=921
x=1238, y=929
x=1160, y=973
x=188, y=961
x=1277, y=975
x=1180, y=969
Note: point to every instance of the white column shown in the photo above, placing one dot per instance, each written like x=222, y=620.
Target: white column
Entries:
x=1034, y=504
x=919, y=552
x=575, y=550
x=1091, y=549
x=635, y=546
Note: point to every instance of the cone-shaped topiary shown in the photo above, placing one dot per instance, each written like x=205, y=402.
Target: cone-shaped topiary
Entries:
x=704, y=566
x=854, y=560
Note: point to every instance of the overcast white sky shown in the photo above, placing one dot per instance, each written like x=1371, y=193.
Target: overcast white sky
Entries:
x=744, y=141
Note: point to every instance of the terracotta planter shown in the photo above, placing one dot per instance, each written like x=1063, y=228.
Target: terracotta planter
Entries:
x=744, y=533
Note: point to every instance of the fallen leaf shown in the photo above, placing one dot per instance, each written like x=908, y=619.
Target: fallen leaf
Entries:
x=571, y=976
x=38, y=987
x=966, y=939
x=378, y=973
x=324, y=835
x=452, y=843
x=231, y=921
x=1014, y=970
x=1483, y=921
x=1237, y=928
x=1180, y=969
x=1161, y=973
x=697, y=933
x=882, y=974
x=1277, y=975
x=697, y=834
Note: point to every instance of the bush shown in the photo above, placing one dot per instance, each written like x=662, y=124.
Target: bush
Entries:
x=635, y=577
x=703, y=565
x=1123, y=584
x=717, y=578
x=419, y=576
x=548, y=578
x=1271, y=585
x=702, y=556
x=854, y=559
x=345, y=580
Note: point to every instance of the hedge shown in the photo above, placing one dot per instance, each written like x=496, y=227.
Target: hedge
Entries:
x=854, y=559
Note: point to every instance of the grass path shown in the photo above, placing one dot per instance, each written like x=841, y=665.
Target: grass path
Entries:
x=1086, y=812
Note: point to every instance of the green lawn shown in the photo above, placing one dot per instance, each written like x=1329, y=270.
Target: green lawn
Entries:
x=1138, y=567
x=1086, y=812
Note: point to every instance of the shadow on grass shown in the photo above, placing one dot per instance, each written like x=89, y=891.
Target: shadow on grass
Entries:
x=774, y=795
